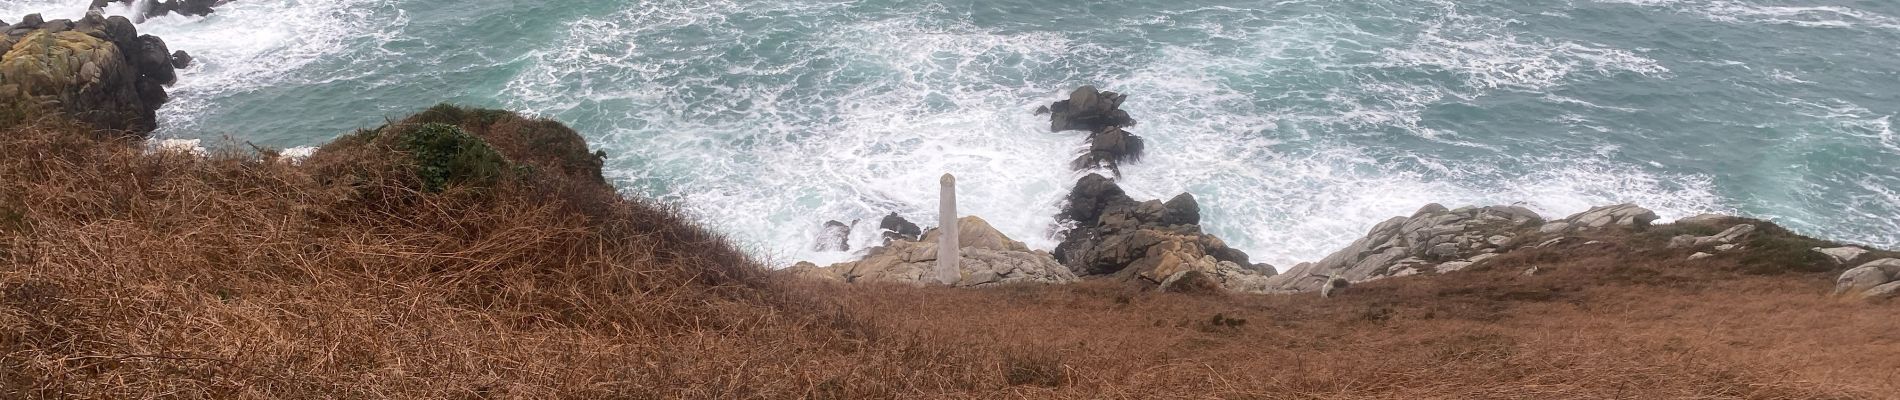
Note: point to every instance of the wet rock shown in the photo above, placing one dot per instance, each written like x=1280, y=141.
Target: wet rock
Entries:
x=1099, y=113
x=181, y=59
x=1112, y=234
x=894, y=228
x=154, y=60
x=834, y=236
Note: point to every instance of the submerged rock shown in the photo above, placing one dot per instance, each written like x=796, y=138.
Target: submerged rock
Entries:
x=181, y=59
x=834, y=236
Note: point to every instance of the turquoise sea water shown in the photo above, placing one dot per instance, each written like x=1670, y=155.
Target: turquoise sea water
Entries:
x=1299, y=124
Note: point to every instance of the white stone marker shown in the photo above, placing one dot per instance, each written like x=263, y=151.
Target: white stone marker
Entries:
x=948, y=255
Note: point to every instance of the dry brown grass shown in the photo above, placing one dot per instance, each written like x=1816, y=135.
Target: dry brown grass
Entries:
x=130, y=275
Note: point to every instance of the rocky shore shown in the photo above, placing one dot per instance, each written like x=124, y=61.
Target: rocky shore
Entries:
x=97, y=70
x=1159, y=244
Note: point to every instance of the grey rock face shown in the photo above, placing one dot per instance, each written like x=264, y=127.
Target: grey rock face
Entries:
x=1862, y=278
x=1842, y=255
x=1621, y=215
x=1432, y=237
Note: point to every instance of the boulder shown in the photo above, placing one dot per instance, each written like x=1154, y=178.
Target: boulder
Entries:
x=1625, y=215
x=1861, y=279
x=181, y=59
x=1088, y=109
x=1726, y=237
x=894, y=227
x=1430, y=239
x=987, y=258
x=1842, y=255
x=154, y=60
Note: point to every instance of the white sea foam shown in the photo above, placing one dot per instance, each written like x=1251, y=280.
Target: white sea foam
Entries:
x=1745, y=12
x=774, y=148
x=1489, y=56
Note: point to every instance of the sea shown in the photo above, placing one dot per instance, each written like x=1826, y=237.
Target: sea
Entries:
x=1297, y=124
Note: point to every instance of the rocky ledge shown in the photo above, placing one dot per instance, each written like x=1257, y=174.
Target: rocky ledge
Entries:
x=988, y=258
x=98, y=70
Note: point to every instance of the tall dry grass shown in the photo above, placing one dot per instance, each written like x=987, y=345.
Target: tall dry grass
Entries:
x=132, y=275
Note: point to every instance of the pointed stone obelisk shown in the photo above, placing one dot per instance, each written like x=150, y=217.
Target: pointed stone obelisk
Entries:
x=948, y=255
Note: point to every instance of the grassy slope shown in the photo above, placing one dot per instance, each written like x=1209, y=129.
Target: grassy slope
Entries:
x=125, y=274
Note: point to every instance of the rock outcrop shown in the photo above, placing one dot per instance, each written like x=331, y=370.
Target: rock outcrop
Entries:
x=1100, y=114
x=1112, y=234
x=98, y=70
x=1878, y=279
x=1433, y=239
x=988, y=258
x=895, y=228
x=1626, y=215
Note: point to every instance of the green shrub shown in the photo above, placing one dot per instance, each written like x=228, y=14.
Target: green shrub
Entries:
x=445, y=155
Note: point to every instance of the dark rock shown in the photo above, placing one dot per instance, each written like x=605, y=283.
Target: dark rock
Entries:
x=154, y=60
x=181, y=59
x=123, y=34
x=95, y=21
x=1100, y=114
x=99, y=4
x=1090, y=196
x=30, y=21
x=195, y=7
x=1182, y=210
x=896, y=228
x=1109, y=149
x=835, y=236
x=1110, y=233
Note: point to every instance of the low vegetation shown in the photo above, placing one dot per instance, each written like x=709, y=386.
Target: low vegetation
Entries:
x=355, y=274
